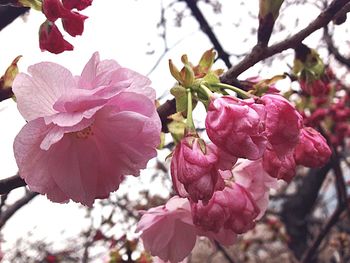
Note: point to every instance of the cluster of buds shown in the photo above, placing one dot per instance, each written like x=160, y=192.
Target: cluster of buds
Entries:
x=223, y=185
x=50, y=37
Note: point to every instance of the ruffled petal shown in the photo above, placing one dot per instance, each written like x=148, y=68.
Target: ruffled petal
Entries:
x=37, y=94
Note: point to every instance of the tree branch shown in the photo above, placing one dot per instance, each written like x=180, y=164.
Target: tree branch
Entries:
x=5, y=94
x=8, y=14
x=298, y=207
x=205, y=27
x=8, y=184
x=260, y=53
x=10, y=211
x=333, y=50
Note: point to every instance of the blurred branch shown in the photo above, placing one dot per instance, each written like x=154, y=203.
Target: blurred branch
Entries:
x=342, y=205
x=224, y=252
x=11, y=210
x=260, y=53
x=298, y=207
x=8, y=184
x=5, y=94
x=333, y=50
x=8, y=14
x=205, y=27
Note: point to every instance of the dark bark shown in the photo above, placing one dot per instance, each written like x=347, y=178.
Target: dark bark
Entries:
x=8, y=14
x=298, y=207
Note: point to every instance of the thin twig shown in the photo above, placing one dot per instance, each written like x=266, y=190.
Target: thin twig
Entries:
x=260, y=53
x=206, y=28
x=224, y=252
x=333, y=50
x=11, y=210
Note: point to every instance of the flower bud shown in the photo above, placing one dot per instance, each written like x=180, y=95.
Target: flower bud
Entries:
x=193, y=169
x=237, y=126
x=51, y=39
x=53, y=9
x=283, y=123
x=279, y=166
x=232, y=208
x=312, y=150
x=73, y=23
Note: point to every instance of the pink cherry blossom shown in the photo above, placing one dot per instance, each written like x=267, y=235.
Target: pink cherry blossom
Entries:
x=279, y=166
x=232, y=208
x=252, y=176
x=85, y=133
x=168, y=231
x=283, y=123
x=193, y=169
x=312, y=150
x=237, y=126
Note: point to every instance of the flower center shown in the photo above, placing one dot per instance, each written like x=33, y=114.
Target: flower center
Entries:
x=85, y=133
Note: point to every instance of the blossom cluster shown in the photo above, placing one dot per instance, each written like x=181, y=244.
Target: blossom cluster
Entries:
x=223, y=185
x=50, y=37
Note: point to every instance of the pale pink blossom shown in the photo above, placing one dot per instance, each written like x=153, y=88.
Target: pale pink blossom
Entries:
x=237, y=126
x=312, y=150
x=252, y=176
x=232, y=208
x=279, y=166
x=168, y=231
x=283, y=124
x=85, y=133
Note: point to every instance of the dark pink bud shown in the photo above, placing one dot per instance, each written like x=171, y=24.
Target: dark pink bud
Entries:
x=283, y=123
x=51, y=39
x=237, y=126
x=312, y=150
x=317, y=88
x=73, y=23
x=232, y=208
x=53, y=9
x=78, y=4
x=193, y=169
x=279, y=166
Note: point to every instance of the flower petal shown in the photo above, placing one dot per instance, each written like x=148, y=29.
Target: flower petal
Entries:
x=37, y=94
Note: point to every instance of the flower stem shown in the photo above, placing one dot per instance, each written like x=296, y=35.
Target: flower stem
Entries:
x=189, y=122
x=206, y=91
x=242, y=93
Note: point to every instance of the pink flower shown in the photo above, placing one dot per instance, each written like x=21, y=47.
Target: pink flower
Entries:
x=279, y=166
x=85, y=133
x=283, y=123
x=193, y=169
x=237, y=126
x=233, y=209
x=251, y=175
x=312, y=150
x=51, y=39
x=78, y=4
x=168, y=231
x=73, y=23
